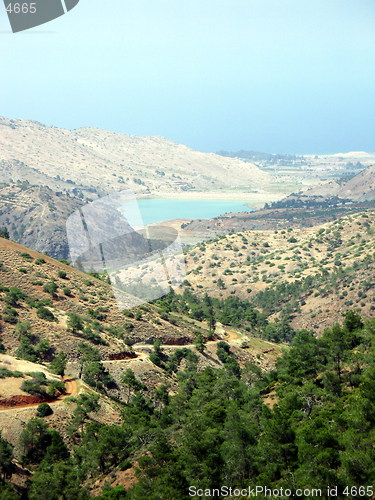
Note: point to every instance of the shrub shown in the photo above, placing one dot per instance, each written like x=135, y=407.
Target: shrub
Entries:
x=4, y=233
x=164, y=315
x=26, y=350
x=45, y=313
x=97, y=315
x=10, y=315
x=51, y=288
x=5, y=372
x=138, y=315
x=75, y=322
x=37, y=282
x=26, y=256
x=62, y=274
x=44, y=410
x=55, y=388
x=58, y=364
x=33, y=387
x=155, y=358
x=23, y=329
x=125, y=465
x=13, y=296
x=44, y=349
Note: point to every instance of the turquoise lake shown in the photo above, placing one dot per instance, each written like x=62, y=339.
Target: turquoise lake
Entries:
x=158, y=210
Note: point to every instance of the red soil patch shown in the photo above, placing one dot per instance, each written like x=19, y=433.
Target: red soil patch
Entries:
x=71, y=389
x=122, y=355
x=22, y=401
x=175, y=341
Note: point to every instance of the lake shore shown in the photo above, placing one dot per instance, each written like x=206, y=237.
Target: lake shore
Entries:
x=256, y=197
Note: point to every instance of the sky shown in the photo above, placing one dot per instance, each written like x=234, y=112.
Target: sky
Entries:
x=281, y=76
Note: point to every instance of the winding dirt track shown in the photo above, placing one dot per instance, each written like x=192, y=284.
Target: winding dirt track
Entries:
x=232, y=335
x=71, y=389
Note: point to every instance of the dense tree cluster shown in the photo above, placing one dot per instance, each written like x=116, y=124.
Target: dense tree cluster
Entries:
x=233, y=311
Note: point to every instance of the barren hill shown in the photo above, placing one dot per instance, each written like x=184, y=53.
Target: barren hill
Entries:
x=107, y=161
x=361, y=187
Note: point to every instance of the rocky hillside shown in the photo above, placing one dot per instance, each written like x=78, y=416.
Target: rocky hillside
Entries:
x=309, y=275
x=107, y=161
x=45, y=283
x=361, y=187
x=36, y=216
x=15, y=171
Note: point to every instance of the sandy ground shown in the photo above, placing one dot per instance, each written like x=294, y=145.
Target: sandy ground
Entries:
x=255, y=197
x=23, y=366
x=11, y=386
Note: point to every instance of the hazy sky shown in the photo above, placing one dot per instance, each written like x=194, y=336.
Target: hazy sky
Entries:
x=294, y=76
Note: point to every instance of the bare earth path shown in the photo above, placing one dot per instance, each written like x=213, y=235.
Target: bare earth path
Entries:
x=71, y=389
x=72, y=385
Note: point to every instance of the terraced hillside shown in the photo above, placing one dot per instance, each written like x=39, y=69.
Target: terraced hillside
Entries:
x=317, y=272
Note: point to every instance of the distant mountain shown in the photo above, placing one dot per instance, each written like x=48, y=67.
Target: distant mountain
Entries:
x=258, y=156
x=107, y=161
x=361, y=187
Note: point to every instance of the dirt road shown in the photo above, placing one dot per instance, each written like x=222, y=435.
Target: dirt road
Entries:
x=72, y=385
x=71, y=389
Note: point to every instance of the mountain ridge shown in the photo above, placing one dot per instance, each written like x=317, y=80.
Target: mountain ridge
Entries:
x=110, y=161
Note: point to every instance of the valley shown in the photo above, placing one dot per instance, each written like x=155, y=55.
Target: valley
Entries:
x=261, y=356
